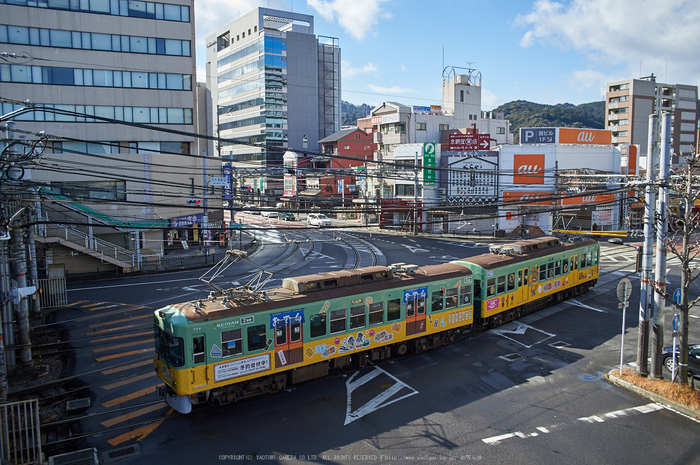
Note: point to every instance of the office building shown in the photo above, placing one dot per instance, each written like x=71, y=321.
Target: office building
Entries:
x=274, y=86
x=629, y=103
x=129, y=62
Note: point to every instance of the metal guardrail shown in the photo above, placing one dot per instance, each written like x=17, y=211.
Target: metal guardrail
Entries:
x=20, y=436
x=53, y=293
x=91, y=243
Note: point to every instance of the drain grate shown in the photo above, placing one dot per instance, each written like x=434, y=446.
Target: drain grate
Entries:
x=79, y=457
x=122, y=452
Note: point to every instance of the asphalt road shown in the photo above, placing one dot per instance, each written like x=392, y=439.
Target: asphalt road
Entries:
x=531, y=391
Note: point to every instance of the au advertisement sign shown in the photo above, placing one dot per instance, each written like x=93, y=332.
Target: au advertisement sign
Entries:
x=528, y=169
x=585, y=136
x=528, y=198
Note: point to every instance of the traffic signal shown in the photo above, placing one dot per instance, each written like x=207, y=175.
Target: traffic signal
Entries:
x=193, y=201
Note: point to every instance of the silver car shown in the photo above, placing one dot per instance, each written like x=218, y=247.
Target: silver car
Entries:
x=318, y=219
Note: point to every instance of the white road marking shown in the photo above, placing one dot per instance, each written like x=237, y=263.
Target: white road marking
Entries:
x=414, y=249
x=580, y=304
x=520, y=330
x=379, y=401
x=593, y=419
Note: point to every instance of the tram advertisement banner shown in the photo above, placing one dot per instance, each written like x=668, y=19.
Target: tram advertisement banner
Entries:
x=415, y=294
x=287, y=318
x=242, y=367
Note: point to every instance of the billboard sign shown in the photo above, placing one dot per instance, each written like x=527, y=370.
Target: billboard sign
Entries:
x=528, y=198
x=538, y=135
x=469, y=142
x=428, y=162
x=528, y=169
x=389, y=118
x=585, y=136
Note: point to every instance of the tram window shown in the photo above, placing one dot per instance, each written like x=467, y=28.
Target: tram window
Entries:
x=543, y=272
x=566, y=266
x=376, y=313
x=491, y=287
x=198, y=349
x=574, y=262
x=318, y=325
x=357, y=317
x=420, y=306
x=451, y=297
x=511, y=281
x=393, y=310
x=588, y=259
x=525, y=281
x=436, y=302
x=477, y=288
x=583, y=260
x=466, y=295
x=557, y=268
x=280, y=335
x=231, y=342
x=520, y=278
x=595, y=257
x=550, y=270
x=295, y=336
x=501, y=284
x=256, y=337
x=337, y=321
x=410, y=308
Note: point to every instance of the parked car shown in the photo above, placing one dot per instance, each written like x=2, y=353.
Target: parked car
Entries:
x=693, y=359
x=251, y=208
x=287, y=216
x=318, y=219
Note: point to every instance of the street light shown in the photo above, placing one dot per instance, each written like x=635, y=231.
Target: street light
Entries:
x=638, y=248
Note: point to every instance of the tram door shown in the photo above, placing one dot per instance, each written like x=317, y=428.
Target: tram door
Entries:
x=415, y=315
x=198, y=371
x=524, y=284
x=289, y=343
x=573, y=266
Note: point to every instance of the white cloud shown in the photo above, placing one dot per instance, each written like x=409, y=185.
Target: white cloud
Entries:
x=659, y=35
x=357, y=17
x=349, y=70
x=489, y=99
x=586, y=80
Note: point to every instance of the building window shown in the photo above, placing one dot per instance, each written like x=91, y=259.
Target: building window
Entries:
x=420, y=126
x=83, y=114
x=624, y=98
x=133, y=9
x=368, y=147
x=223, y=41
x=470, y=117
x=346, y=147
x=92, y=41
x=407, y=190
x=500, y=130
x=461, y=96
x=444, y=127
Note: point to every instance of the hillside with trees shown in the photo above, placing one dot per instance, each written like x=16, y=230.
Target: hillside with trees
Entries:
x=520, y=113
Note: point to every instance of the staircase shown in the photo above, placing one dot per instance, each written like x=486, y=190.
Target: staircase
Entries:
x=92, y=246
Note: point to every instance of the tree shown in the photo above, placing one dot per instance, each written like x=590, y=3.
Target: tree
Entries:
x=683, y=242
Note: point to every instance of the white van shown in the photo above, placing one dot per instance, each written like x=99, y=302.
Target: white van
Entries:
x=268, y=212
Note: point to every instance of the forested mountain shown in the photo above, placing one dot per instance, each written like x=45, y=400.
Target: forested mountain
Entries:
x=520, y=113
x=349, y=113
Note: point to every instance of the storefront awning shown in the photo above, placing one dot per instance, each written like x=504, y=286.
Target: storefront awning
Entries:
x=310, y=192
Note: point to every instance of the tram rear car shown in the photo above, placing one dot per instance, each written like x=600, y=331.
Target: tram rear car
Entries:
x=522, y=277
x=244, y=344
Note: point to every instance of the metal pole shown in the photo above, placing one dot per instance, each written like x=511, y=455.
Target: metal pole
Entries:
x=646, y=306
x=657, y=331
x=624, y=317
x=415, y=198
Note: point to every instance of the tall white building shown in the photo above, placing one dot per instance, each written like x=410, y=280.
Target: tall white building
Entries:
x=274, y=85
x=629, y=103
x=130, y=62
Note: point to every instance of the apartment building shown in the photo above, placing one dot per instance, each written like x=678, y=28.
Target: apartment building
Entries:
x=629, y=103
x=274, y=86
x=131, y=63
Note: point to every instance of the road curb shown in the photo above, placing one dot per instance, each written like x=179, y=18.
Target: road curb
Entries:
x=651, y=395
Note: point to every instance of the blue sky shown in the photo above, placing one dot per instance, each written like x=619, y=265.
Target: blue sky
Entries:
x=543, y=51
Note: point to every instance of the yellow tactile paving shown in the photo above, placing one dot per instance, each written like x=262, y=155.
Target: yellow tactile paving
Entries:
x=124, y=382
x=123, y=320
x=111, y=371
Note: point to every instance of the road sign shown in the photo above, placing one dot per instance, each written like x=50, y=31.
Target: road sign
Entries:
x=624, y=290
x=217, y=180
x=676, y=322
x=677, y=296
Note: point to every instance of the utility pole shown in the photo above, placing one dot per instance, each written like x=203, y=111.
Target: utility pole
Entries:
x=646, y=306
x=657, y=331
x=415, y=198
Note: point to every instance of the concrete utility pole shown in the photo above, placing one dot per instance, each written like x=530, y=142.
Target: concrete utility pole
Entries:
x=646, y=306
x=415, y=199
x=657, y=332
x=19, y=265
